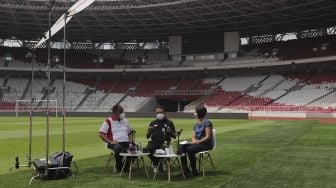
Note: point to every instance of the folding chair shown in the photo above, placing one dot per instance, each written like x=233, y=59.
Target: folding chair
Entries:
x=110, y=159
x=204, y=157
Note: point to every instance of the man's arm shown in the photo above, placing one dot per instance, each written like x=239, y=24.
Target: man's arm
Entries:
x=105, y=139
x=149, y=130
x=103, y=133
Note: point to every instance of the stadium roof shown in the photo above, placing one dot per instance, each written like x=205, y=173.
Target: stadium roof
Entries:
x=107, y=20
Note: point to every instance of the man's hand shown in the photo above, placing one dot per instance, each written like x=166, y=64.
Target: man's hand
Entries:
x=109, y=145
x=150, y=129
x=114, y=142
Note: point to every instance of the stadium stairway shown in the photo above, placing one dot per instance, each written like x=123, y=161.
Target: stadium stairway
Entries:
x=249, y=89
x=271, y=88
x=297, y=86
x=4, y=84
x=127, y=93
x=107, y=93
x=333, y=91
x=25, y=91
x=82, y=101
x=202, y=100
x=45, y=94
x=87, y=94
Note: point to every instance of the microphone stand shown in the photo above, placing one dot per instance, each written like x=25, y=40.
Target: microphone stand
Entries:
x=178, y=152
x=164, y=137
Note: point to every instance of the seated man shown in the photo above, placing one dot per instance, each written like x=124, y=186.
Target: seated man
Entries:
x=115, y=131
x=159, y=131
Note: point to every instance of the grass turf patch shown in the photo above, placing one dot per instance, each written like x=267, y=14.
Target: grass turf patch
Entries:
x=249, y=153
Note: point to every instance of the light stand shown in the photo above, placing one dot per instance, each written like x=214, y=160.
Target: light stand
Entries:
x=64, y=82
x=64, y=87
x=31, y=110
x=50, y=5
x=31, y=57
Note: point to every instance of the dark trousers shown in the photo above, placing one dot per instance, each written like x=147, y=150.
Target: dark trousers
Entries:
x=118, y=148
x=151, y=147
x=191, y=150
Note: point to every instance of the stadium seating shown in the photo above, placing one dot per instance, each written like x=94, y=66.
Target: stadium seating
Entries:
x=308, y=92
x=17, y=87
x=148, y=87
x=240, y=83
x=303, y=92
x=300, y=92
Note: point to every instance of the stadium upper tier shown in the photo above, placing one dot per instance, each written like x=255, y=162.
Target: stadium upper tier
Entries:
x=249, y=55
x=313, y=92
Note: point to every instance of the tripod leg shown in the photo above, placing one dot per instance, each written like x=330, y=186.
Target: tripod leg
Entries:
x=31, y=180
x=74, y=162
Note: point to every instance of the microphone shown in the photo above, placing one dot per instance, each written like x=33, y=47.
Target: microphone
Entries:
x=179, y=132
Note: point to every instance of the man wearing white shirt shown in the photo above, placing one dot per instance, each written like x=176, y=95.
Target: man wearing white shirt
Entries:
x=115, y=131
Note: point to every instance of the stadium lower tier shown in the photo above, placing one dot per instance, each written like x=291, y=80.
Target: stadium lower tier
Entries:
x=272, y=92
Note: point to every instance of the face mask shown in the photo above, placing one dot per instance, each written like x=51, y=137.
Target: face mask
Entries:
x=122, y=115
x=160, y=116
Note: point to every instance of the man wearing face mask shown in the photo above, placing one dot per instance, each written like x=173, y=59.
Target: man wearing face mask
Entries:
x=115, y=131
x=159, y=131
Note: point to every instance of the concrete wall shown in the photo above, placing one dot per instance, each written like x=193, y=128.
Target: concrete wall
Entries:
x=138, y=115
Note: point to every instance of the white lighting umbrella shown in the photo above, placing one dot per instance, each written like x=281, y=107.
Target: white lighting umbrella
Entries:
x=60, y=23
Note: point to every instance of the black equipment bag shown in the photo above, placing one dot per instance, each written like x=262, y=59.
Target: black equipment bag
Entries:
x=58, y=159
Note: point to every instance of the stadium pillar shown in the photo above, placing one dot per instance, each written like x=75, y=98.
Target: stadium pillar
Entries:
x=178, y=106
x=231, y=43
x=175, y=47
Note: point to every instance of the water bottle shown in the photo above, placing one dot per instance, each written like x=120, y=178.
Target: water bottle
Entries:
x=171, y=152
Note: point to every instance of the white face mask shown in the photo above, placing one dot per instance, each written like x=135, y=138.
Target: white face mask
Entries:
x=160, y=116
x=122, y=115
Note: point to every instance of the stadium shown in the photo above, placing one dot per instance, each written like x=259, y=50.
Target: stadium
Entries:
x=265, y=71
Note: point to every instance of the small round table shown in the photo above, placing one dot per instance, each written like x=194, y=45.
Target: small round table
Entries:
x=132, y=156
x=166, y=158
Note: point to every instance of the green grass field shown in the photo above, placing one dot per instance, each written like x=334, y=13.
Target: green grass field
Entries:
x=248, y=154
